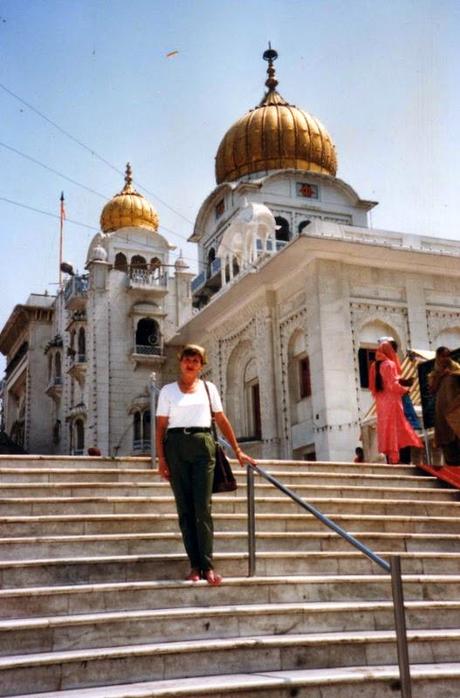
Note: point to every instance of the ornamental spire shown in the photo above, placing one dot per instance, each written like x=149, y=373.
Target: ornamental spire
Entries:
x=128, y=174
x=270, y=55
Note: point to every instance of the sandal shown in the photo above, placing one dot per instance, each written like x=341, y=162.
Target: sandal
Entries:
x=194, y=575
x=212, y=578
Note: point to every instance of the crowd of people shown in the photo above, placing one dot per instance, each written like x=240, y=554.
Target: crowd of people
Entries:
x=397, y=421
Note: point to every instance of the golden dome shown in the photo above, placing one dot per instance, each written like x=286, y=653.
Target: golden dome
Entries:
x=275, y=135
x=128, y=209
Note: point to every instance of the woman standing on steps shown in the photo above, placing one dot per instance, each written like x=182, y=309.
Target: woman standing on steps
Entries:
x=393, y=430
x=186, y=456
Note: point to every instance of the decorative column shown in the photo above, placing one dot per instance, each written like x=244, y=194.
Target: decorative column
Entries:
x=335, y=412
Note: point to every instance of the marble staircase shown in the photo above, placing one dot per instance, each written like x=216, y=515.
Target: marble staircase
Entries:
x=92, y=602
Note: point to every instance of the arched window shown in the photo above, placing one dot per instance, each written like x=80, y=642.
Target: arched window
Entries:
x=148, y=339
x=138, y=262
x=236, y=267
x=57, y=367
x=121, y=263
x=155, y=266
x=146, y=426
x=79, y=437
x=137, y=428
x=81, y=344
x=211, y=258
x=299, y=379
x=283, y=233
x=252, y=398
x=368, y=343
x=50, y=367
x=302, y=225
x=449, y=338
x=141, y=431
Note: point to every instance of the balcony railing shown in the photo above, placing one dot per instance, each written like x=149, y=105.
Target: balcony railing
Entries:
x=147, y=349
x=146, y=278
x=76, y=290
x=215, y=267
x=198, y=281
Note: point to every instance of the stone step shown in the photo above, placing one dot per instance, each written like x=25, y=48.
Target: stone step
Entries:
x=107, y=474
x=42, y=506
x=39, y=526
x=168, y=660
x=301, y=469
x=71, y=475
x=37, y=462
x=440, y=680
x=78, y=586
x=32, y=462
x=224, y=541
x=109, y=629
x=306, y=483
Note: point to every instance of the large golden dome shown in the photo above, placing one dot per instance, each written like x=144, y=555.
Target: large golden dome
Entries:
x=128, y=209
x=275, y=135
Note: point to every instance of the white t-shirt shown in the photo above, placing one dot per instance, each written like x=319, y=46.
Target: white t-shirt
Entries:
x=188, y=409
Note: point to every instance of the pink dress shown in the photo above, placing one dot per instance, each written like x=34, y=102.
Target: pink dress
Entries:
x=393, y=429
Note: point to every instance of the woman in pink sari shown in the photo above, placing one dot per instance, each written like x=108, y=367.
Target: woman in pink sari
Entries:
x=393, y=430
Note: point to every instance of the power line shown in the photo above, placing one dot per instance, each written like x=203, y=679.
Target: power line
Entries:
x=88, y=149
x=51, y=169
x=99, y=157
x=46, y=213
x=69, y=220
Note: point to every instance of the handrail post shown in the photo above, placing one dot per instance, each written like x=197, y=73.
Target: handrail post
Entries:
x=251, y=521
x=400, y=626
x=153, y=409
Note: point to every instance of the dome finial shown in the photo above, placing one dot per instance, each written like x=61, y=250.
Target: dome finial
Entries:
x=270, y=55
x=128, y=174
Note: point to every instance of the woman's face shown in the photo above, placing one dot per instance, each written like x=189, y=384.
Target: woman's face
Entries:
x=190, y=366
x=443, y=358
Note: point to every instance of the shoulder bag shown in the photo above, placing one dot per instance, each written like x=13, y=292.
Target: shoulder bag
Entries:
x=224, y=480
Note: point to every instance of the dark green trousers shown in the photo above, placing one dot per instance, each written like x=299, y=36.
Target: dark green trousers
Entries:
x=191, y=461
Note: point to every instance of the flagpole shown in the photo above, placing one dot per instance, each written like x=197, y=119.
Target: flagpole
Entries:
x=61, y=241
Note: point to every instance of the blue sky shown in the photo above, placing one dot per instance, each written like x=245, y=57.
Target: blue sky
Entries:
x=382, y=75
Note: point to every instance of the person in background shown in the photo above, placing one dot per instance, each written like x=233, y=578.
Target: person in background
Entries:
x=186, y=456
x=393, y=430
x=359, y=455
x=408, y=407
x=444, y=383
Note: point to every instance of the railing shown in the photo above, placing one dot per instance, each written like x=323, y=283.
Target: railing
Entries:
x=76, y=286
x=393, y=567
x=17, y=358
x=147, y=278
x=148, y=349
x=198, y=281
x=215, y=267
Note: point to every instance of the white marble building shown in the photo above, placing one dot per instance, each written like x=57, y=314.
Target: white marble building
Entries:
x=294, y=291
x=297, y=288
x=80, y=377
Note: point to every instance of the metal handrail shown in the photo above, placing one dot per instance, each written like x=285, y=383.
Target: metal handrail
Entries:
x=393, y=567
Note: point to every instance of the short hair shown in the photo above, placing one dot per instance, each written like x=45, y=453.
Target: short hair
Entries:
x=193, y=350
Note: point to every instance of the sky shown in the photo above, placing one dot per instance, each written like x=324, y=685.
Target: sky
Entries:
x=86, y=86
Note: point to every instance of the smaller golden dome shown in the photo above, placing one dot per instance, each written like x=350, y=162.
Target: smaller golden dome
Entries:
x=128, y=209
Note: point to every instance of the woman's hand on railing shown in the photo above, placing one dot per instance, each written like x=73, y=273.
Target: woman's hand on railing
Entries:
x=243, y=458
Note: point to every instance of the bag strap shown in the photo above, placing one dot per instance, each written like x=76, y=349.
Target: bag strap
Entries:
x=213, y=421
